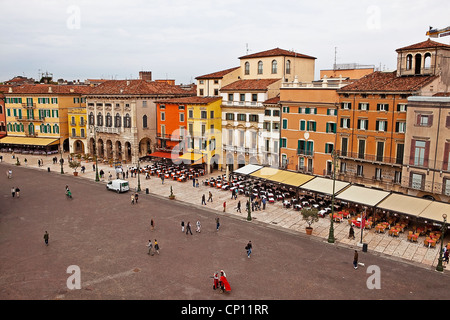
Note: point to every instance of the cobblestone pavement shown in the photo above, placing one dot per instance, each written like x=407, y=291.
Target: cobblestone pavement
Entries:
x=275, y=214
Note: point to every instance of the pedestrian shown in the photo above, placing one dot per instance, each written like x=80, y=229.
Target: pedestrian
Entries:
x=93, y=167
x=152, y=224
x=83, y=168
x=149, y=245
x=196, y=185
x=25, y=161
x=216, y=280
x=193, y=182
x=210, y=196
x=198, y=226
x=132, y=199
x=39, y=163
x=355, y=260
x=217, y=223
x=203, y=200
x=42, y=162
x=238, y=209
x=46, y=238
x=249, y=247
x=182, y=226
x=351, y=233
x=136, y=197
x=13, y=191
x=446, y=256
x=17, y=192
x=162, y=178
x=188, y=228
x=224, y=206
x=264, y=203
x=9, y=174
x=156, y=247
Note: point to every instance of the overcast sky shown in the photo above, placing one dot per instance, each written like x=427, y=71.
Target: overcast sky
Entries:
x=175, y=39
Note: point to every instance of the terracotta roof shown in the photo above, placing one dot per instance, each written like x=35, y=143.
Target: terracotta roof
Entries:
x=48, y=89
x=276, y=52
x=273, y=100
x=442, y=94
x=250, y=85
x=190, y=100
x=136, y=87
x=388, y=81
x=218, y=74
x=425, y=45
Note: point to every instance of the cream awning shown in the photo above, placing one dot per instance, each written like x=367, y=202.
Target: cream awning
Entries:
x=435, y=211
x=265, y=173
x=291, y=178
x=361, y=195
x=324, y=185
x=404, y=204
x=29, y=141
x=248, y=169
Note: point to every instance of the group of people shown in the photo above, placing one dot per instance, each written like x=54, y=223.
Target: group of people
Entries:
x=221, y=282
x=188, y=227
x=150, y=246
x=15, y=191
x=134, y=198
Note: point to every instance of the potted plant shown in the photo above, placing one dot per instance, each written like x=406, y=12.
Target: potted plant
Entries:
x=310, y=215
x=74, y=165
x=171, y=196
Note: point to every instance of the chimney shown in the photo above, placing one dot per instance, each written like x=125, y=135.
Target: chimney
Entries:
x=145, y=75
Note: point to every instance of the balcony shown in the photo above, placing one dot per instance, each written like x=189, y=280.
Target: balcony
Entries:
x=30, y=119
x=28, y=105
x=108, y=130
x=242, y=104
x=370, y=157
x=170, y=137
x=305, y=152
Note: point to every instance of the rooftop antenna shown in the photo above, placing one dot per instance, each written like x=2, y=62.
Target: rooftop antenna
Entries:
x=335, y=54
x=246, y=48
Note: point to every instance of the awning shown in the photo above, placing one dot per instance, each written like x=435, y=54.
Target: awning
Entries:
x=291, y=178
x=404, y=204
x=29, y=141
x=435, y=211
x=324, y=185
x=165, y=155
x=248, y=169
x=192, y=156
x=361, y=195
x=265, y=173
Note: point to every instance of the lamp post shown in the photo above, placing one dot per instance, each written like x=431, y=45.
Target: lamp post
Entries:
x=139, y=177
x=249, y=215
x=94, y=128
x=61, y=159
x=439, y=266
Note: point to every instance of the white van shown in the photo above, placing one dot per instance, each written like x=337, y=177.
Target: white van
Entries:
x=118, y=185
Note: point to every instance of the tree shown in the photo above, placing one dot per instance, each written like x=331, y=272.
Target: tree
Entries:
x=310, y=215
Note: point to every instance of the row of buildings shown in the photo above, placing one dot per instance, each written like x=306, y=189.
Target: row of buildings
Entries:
x=385, y=129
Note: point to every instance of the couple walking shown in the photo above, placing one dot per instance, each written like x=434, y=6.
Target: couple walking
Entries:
x=150, y=246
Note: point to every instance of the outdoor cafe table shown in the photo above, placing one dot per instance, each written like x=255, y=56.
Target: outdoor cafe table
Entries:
x=429, y=242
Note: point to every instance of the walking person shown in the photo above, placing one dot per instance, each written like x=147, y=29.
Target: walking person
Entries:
x=198, y=226
x=182, y=226
x=39, y=163
x=238, y=209
x=132, y=199
x=224, y=206
x=210, y=196
x=17, y=192
x=156, y=247
x=13, y=191
x=249, y=249
x=152, y=225
x=217, y=223
x=149, y=245
x=46, y=238
x=351, y=233
x=188, y=228
x=355, y=260
x=136, y=197
x=264, y=203
x=203, y=200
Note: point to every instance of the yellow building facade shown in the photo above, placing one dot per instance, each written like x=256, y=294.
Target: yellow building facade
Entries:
x=76, y=119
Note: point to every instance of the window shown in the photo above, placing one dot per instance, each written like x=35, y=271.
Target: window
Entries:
x=284, y=124
x=201, y=93
x=163, y=116
x=229, y=116
x=82, y=133
x=274, y=67
x=266, y=126
x=361, y=148
x=190, y=114
x=331, y=112
x=216, y=92
x=117, y=121
x=302, y=125
x=276, y=126
x=283, y=143
x=91, y=119
x=409, y=62
x=144, y=121
x=241, y=117
x=382, y=107
x=380, y=150
x=360, y=170
x=285, y=110
x=345, y=123
x=181, y=116
x=377, y=174
x=74, y=133
x=344, y=146
x=203, y=114
x=108, y=120
x=363, y=106
x=253, y=118
x=72, y=121
x=211, y=114
x=311, y=126
x=362, y=124
x=127, y=121
x=427, y=61
x=230, y=97
x=230, y=137
x=381, y=125
x=276, y=113
x=397, y=177
x=401, y=107
x=241, y=137
x=400, y=127
x=329, y=147
x=162, y=106
x=331, y=127
x=260, y=67
x=346, y=105
x=242, y=97
x=288, y=67
x=309, y=148
x=424, y=120
x=247, y=68
x=268, y=112
x=417, y=181
x=254, y=97
x=400, y=152
x=419, y=152
x=99, y=119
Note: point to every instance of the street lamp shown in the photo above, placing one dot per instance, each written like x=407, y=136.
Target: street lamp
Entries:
x=61, y=159
x=440, y=267
x=249, y=215
x=139, y=176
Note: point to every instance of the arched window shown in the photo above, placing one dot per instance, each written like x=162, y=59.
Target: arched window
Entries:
x=99, y=119
x=427, y=61
x=409, y=62
x=127, y=121
x=117, y=122
x=91, y=119
x=260, y=67
x=31, y=128
x=55, y=128
x=108, y=120
x=274, y=67
x=247, y=68
x=144, y=121
x=417, y=63
x=288, y=67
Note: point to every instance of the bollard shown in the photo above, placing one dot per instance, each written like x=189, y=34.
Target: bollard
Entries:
x=146, y=190
x=48, y=169
x=364, y=248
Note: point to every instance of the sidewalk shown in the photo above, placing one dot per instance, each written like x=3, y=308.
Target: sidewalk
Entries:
x=275, y=214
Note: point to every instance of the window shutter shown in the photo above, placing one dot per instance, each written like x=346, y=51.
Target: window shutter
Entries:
x=418, y=119
x=430, y=120
x=412, y=152
x=359, y=124
x=378, y=107
x=446, y=151
x=397, y=126
x=427, y=153
x=386, y=107
x=377, y=125
x=447, y=122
